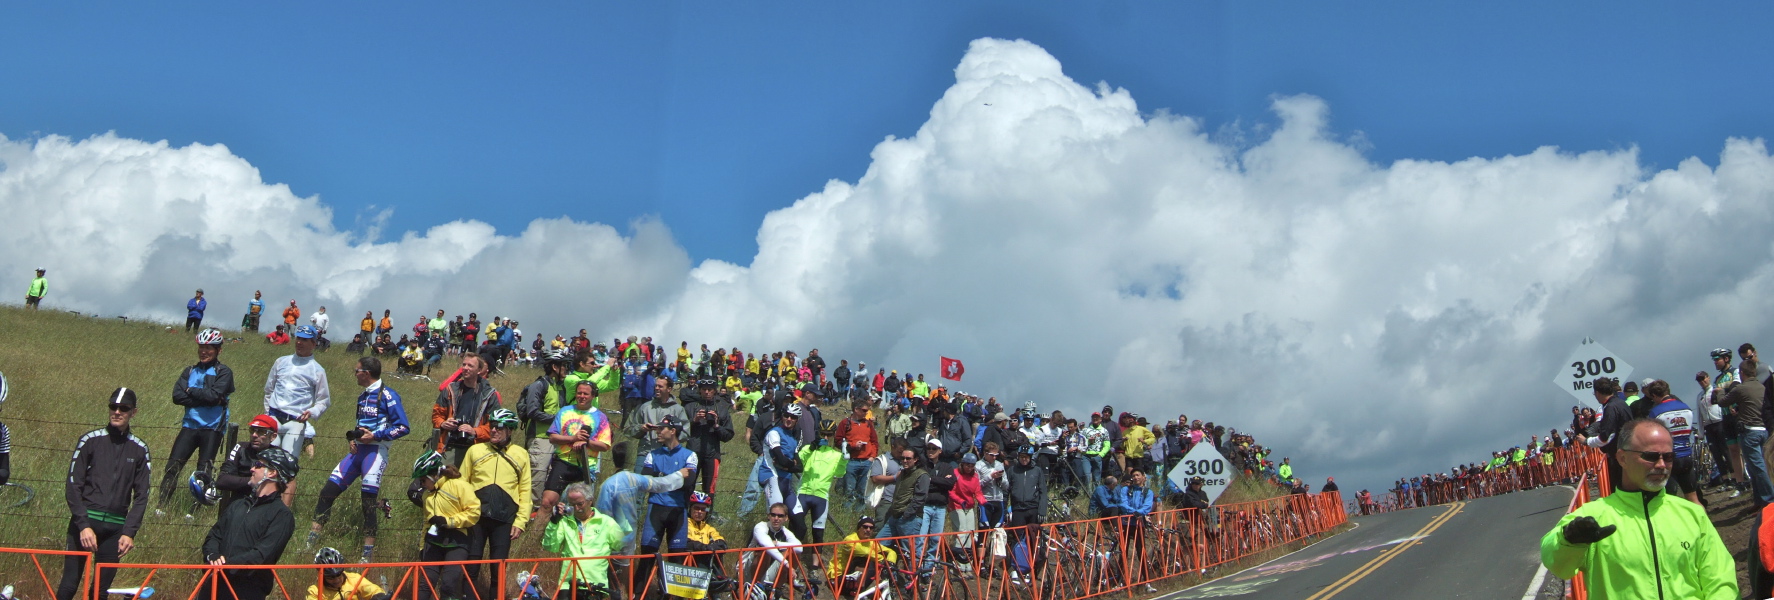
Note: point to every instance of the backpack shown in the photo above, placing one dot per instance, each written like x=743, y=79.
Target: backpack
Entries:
x=530, y=403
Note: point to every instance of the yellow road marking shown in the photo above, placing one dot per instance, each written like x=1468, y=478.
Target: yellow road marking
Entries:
x=1384, y=557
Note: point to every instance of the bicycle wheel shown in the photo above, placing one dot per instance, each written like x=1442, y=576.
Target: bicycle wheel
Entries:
x=14, y=495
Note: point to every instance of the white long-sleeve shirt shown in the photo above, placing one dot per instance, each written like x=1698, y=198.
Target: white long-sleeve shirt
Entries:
x=760, y=537
x=297, y=384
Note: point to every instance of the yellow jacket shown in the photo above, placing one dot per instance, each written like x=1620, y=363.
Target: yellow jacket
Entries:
x=355, y=588
x=857, y=551
x=454, y=500
x=1138, y=438
x=703, y=533
x=482, y=466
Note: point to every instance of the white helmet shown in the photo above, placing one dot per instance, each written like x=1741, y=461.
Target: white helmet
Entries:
x=210, y=336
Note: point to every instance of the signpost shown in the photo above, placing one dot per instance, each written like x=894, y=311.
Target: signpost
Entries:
x=1203, y=461
x=1589, y=360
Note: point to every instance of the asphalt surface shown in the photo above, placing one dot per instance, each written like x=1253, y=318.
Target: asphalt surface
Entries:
x=1487, y=548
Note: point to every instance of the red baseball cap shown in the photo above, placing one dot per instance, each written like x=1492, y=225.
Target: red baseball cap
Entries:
x=265, y=421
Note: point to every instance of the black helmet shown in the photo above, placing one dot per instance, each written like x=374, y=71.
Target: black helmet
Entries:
x=1718, y=353
x=281, y=461
x=673, y=422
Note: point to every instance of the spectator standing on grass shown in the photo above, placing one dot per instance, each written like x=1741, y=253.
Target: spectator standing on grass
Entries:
x=380, y=419
x=965, y=499
x=5, y=439
x=367, y=327
x=537, y=407
x=992, y=485
x=39, y=287
x=194, y=312
x=320, y=321
x=253, y=531
x=290, y=315
x=1721, y=425
x=859, y=442
x=579, y=435
x=1640, y=542
x=711, y=424
x=451, y=510
x=107, y=495
x=667, y=511
x=255, y=308
x=296, y=392
x=499, y=472
x=462, y=407
x=1027, y=496
x=385, y=325
x=821, y=463
x=203, y=390
x=1603, y=434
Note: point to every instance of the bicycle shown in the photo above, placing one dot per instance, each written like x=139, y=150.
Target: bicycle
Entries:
x=14, y=495
x=906, y=581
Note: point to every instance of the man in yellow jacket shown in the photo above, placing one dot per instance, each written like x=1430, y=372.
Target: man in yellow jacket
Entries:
x=341, y=585
x=1666, y=547
x=857, y=563
x=499, y=472
x=451, y=510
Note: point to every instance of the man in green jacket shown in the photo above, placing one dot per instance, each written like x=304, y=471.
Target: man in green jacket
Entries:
x=1667, y=549
x=579, y=531
x=39, y=287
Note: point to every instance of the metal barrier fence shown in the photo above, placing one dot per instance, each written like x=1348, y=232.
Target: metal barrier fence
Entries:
x=37, y=582
x=1078, y=559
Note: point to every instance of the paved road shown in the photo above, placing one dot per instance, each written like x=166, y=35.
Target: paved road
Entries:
x=1488, y=548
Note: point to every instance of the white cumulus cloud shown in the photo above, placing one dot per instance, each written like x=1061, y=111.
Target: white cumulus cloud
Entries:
x=1369, y=320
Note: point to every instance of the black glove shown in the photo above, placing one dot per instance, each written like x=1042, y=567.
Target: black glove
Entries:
x=1584, y=530
x=439, y=521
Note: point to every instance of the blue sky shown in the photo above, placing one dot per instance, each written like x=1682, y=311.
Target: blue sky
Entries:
x=711, y=116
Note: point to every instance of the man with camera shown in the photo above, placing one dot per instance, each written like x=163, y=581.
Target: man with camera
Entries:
x=711, y=424
x=381, y=419
x=462, y=408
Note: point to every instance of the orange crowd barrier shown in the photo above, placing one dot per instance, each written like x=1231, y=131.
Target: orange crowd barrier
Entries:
x=1071, y=560
x=32, y=563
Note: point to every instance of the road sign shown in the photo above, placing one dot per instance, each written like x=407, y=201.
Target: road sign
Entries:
x=1203, y=461
x=1576, y=375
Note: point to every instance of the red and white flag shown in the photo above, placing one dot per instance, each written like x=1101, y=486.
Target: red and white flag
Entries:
x=952, y=369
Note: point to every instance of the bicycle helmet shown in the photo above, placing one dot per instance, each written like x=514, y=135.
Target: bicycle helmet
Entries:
x=330, y=556
x=210, y=336
x=701, y=498
x=503, y=418
x=1718, y=353
x=281, y=461
x=827, y=428
x=307, y=332
x=793, y=410
x=2, y=388
x=673, y=422
x=202, y=490
x=706, y=382
x=428, y=464
x=1027, y=450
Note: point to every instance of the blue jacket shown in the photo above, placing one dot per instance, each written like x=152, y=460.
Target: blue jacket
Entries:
x=1134, y=501
x=203, y=391
x=663, y=461
x=1104, y=498
x=194, y=307
x=380, y=412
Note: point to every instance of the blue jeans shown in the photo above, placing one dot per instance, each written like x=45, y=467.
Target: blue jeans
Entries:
x=856, y=476
x=1751, y=442
x=1081, y=465
x=934, y=517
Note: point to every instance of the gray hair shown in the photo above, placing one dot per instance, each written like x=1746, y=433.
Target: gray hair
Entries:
x=581, y=488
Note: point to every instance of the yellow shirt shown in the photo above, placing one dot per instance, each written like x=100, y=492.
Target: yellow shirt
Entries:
x=454, y=500
x=355, y=588
x=482, y=466
x=854, y=550
x=1138, y=438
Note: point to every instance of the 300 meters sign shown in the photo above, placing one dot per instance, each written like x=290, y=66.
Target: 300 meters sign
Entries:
x=1588, y=361
x=1203, y=461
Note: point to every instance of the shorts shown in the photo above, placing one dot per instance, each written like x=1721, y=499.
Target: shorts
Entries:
x=1682, y=477
x=816, y=506
x=292, y=435
x=367, y=462
x=561, y=473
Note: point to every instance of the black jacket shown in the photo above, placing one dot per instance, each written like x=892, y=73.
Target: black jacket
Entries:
x=841, y=374
x=1614, y=414
x=252, y=531
x=705, y=438
x=214, y=392
x=1028, y=488
x=942, y=479
x=235, y=472
x=1008, y=439
x=109, y=474
x=957, y=438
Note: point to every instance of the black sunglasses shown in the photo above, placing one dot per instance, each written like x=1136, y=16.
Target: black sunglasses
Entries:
x=1654, y=457
x=778, y=516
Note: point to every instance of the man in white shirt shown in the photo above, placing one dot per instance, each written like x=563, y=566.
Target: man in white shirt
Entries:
x=296, y=393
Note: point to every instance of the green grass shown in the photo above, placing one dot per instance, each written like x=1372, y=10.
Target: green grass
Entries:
x=1249, y=488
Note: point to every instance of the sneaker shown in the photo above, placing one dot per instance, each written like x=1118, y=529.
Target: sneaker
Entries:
x=313, y=536
x=1150, y=589
x=1736, y=492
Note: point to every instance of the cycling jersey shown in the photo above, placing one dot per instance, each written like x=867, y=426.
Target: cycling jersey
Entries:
x=1676, y=415
x=822, y=465
x=379, y=410
x=203, y=390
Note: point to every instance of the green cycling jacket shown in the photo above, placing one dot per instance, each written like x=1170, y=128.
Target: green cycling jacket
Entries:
x=1665, y=547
